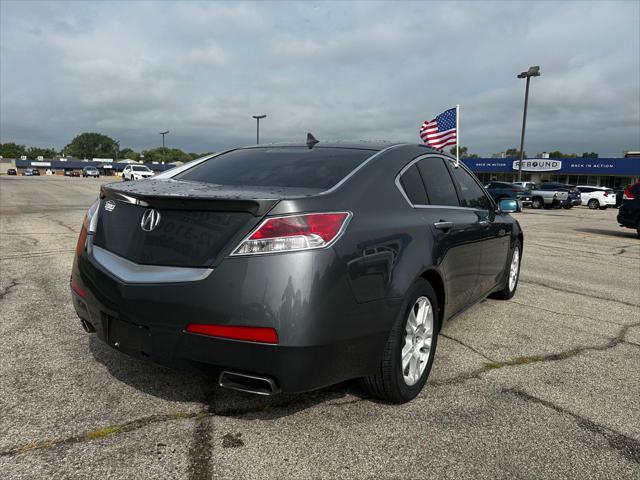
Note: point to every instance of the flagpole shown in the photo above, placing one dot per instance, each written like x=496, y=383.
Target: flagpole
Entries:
x=457, y=135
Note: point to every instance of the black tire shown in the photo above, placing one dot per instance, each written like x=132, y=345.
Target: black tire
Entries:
x=593, y=204
x=537, y=202
x=388, y=383
x=506, y=293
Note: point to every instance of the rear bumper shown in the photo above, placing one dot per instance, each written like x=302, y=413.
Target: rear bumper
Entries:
x=628, y=217
x=324, y=335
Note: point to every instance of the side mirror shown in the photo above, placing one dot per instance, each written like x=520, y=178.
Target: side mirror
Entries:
x=509, y=205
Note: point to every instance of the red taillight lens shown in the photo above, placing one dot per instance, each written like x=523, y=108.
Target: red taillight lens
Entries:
x=82, y=239
x=88, y=226
x=627, y=195
x=249, y=334
x=606, y=194
x=78, y=289
x=294, y=232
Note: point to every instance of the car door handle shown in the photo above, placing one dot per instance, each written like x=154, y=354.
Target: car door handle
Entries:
x=443, y=225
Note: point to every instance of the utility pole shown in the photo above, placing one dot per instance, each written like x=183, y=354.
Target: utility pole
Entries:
x=258, y=117
x=164, y=150
x=532, y=72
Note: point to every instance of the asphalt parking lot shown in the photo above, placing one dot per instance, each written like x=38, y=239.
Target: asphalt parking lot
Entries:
x=546, y=385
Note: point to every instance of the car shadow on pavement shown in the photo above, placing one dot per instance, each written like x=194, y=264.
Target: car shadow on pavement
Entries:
x=199, y=384
x=627, y=233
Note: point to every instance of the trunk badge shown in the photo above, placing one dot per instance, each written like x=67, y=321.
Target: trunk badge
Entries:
x=109, y=205
x=150, y=220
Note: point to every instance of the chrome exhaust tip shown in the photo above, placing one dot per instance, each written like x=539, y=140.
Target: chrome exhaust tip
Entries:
x=87, y=326
x=243, y=382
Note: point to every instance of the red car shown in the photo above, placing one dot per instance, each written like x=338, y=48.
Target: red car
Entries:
x=12, y=171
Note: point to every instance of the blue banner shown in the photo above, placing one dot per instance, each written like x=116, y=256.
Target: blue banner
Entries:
x=581, y=166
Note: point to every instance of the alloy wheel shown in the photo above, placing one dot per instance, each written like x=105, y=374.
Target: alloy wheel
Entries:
x=513, y=269
x=417, y=341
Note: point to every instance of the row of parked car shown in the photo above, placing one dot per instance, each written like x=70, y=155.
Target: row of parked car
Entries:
x=555, y=195
x=130, y=172
x=560, y=195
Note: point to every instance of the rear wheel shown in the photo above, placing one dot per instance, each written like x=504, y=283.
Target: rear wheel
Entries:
x=593, y=204
x=409, y=352
x=512, y=274
x=536, y=202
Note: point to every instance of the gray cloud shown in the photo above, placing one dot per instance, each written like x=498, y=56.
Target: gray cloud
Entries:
x=343, y=71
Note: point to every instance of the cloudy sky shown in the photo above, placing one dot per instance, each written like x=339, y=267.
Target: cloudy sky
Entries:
x=339, y=70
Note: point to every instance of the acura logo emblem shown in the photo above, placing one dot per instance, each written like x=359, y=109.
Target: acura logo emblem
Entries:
x=150, y=220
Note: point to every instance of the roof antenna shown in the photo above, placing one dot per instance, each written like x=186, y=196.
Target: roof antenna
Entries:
x=311, y=140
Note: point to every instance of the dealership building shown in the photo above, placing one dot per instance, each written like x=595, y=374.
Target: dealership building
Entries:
x=605, y=172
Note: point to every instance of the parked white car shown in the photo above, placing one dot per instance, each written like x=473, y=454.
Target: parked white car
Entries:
x=136, y=172
x=597, y=197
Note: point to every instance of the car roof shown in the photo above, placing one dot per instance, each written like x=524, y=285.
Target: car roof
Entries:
x=376, y=145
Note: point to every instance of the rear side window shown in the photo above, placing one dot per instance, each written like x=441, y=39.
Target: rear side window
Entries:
x=301, y=167
x=437, y=181
x=472, y=195
x=413, y=186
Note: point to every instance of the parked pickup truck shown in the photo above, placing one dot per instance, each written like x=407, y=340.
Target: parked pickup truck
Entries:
x=547, y=196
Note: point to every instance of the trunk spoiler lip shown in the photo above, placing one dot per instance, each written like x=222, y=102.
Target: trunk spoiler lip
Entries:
x=257, y=207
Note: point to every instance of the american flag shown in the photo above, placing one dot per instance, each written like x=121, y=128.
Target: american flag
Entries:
x=441, y=131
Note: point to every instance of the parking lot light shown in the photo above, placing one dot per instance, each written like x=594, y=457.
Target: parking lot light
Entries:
x=532, y=72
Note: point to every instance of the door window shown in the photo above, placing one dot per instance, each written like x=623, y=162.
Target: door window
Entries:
x=472, y=195
x=437, y=181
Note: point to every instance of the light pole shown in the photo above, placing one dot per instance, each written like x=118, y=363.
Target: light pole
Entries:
x=258, y=117
x=164, y=150
x=532, y=72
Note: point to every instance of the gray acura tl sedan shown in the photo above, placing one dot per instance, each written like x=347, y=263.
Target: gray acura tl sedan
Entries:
x=290, y=267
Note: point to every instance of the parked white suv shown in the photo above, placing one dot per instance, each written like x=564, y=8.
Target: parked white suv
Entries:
x=597, y=197
x=136, y=172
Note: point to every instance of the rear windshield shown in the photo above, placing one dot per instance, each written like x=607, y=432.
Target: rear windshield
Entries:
x=319, y=167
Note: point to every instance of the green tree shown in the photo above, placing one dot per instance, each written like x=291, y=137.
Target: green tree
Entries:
x=128, y=153
x=91, y=145
x=464, y=152
x=558, y=154
x=514, y=153
x=589, y=155
x=35, y=152
x=12, y=150
x=166, y=155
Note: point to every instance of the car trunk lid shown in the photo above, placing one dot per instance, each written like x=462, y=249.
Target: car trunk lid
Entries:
x=197, y=224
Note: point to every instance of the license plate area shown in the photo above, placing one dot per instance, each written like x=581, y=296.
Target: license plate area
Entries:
x=129, y=337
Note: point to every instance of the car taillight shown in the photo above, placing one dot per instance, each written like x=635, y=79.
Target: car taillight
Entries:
x=606, y=194
x=294, y=233
x=627, y=195
x=88, y=226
